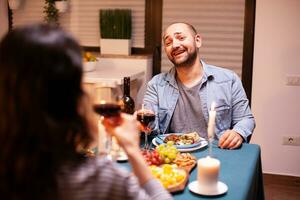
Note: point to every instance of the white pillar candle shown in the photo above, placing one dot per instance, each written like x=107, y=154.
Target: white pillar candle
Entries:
x=211, y=121
x=208, y=172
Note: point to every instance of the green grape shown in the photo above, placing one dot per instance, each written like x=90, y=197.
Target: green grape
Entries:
x=160, y=147
x=172, y=156
x=170, y=143
x=167, y=160
x=174, y=151
x=162, y=156
x=166, y=152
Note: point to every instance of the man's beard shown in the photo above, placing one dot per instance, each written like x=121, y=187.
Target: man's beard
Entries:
x=188, y=62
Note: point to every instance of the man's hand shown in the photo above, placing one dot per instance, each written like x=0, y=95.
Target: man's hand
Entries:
x=230, y=140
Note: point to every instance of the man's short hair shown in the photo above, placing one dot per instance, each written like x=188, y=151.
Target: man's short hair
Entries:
x=188, y=25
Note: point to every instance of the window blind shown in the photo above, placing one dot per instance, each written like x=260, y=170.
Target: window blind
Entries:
x=82, y=19
x=219, y=22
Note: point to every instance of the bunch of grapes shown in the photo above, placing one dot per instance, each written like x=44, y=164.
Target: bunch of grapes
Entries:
x=167, y=152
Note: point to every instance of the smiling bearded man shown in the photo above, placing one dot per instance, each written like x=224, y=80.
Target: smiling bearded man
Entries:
x=181, y=98
x=181, y=45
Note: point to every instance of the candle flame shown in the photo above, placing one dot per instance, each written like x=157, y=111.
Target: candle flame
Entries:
x=213, y=105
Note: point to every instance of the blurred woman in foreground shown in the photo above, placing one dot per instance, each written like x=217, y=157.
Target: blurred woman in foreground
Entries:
x=45, y=117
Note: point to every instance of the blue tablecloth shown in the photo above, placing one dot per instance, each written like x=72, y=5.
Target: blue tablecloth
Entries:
x=240, y=170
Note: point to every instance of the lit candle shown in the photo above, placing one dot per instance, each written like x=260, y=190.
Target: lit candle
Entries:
x=211, y=121
x=208, y=172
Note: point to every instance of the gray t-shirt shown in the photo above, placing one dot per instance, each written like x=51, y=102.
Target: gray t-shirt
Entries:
x=188, y=116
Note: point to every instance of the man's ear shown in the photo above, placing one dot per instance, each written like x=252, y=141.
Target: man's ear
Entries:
x=198, y=40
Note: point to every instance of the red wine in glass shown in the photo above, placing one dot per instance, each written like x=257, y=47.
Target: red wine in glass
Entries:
x=109, y=111
x=145, y=118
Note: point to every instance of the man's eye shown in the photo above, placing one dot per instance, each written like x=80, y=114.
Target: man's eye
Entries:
x=168, y=43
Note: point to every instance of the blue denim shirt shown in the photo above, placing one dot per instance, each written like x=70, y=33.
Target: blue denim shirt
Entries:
x=222, y=86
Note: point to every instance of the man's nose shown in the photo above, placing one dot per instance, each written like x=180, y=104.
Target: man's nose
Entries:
x=176, y=44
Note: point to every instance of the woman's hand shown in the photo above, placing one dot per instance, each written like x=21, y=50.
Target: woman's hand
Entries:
x=127, y=133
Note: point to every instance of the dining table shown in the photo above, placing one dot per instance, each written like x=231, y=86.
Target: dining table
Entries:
x=240, y=170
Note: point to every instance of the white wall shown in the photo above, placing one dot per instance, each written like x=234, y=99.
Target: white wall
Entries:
x=3, y=18
x=275, y=105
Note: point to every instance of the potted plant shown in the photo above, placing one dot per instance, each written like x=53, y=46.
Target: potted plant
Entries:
x=51, y=13
x=115, y=31
x=89, y=62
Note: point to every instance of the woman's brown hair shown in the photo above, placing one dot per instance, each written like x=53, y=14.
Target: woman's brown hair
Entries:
x=42, y=114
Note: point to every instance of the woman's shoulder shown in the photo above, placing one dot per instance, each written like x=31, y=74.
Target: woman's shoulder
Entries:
x=96, y=175
x=95, y=165
x=100, y=178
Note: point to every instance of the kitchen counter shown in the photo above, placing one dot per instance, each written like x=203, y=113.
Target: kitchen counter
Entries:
x=110, y=71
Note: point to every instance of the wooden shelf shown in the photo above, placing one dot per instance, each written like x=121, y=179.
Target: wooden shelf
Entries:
x=132, y=56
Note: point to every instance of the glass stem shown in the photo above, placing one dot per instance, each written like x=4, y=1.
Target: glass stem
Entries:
x=146, y=140
x=108, y=146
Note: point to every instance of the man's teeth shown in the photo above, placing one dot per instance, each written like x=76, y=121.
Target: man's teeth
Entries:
x=177, y=53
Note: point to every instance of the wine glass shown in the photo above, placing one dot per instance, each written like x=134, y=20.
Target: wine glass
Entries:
x=106, y=105
x=146, y=117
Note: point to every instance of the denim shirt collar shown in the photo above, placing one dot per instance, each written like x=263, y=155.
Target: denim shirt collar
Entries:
x=170, y=77
x=207, y=72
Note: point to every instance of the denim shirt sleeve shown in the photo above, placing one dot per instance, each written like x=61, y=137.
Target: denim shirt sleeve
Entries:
x=232, y=105
x=242, y=119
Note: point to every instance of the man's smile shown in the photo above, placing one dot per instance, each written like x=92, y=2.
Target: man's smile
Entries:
x=177, y=52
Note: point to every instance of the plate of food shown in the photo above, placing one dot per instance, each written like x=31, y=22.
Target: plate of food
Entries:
x=182, y=140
